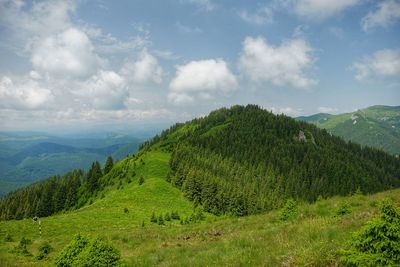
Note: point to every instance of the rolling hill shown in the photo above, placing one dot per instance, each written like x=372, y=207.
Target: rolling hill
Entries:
x=376, y=126
x=226, y=175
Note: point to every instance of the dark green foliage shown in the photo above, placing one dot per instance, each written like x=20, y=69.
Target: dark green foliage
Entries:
x=109, y=165
x=69, y=254
x=175, y=215
x=99, y=253
x=93, y=176
x=245, y=160
x=141, y=180
x=289, y=211
x=160, y=220
x=126, y=210
x=8, y=238
x=153, y=218
x=44, y=198
x=167, y=217
x=378, y=242
x=85, y=252
x=21, y=248
x=343, y=209
x=197, y=215
x=44, y=249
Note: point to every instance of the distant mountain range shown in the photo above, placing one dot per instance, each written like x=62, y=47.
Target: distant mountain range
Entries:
x=376, y=126
x=29, y=157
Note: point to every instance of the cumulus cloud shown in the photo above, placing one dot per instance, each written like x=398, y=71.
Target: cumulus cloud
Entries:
x=104, y=90
x=281, y=65
x=262, y=15
x=146, y=69
x=69, y=53
x=384, y=63
x=201, y=78
x=317, y=9
x=24, y=93
x=387, y=13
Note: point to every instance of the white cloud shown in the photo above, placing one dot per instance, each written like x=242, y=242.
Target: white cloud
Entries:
x=387, y=14
x=206, y=5
x=263, y=15
x=42, y=18
x=289, y=111
x=105, y=90
x=69, y=53
x=146, y=69
x=384, y=62
x=202, y=79
x=282, y=65
x=317, y=9
x=25, y=93
x=327, y=109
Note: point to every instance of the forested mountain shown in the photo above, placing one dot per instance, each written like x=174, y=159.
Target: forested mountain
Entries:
x=245, y=160
x=28, y=157
x=376, y=126
x=240, y=161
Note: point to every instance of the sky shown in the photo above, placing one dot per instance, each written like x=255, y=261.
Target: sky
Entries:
x=72, y=65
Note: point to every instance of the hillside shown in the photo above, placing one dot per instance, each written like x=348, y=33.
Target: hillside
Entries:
x=376, y=126
x=314, y=238
x=241, y=161
x=29, y=157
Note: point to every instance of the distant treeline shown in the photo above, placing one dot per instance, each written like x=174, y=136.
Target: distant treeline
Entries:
x=245, y=160
x=57, y=193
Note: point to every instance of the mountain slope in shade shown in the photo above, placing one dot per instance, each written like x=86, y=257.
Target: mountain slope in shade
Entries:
x=376, y=126
x=29, y=157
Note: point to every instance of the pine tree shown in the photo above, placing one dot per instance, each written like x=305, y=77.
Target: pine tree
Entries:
x=109, y=164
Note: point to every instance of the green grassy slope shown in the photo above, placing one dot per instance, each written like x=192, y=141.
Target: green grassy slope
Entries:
x=377, y=126
x=106, y=215
x=313, y=239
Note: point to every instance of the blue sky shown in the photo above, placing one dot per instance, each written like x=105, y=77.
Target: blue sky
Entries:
x=100, y=64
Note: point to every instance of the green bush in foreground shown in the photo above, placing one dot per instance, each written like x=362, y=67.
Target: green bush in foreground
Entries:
x=44, y=250
x=86, y=252
x=289, y=211
x=378, y=242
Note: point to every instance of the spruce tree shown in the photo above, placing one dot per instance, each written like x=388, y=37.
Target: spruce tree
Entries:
x=109, y=164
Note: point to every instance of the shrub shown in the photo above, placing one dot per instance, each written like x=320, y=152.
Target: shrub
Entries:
x=153, y=218
x=44, y=249
x=69, y=254
x=8, y=238
x=343, y=209
x=289, y=211
x=378, y=242
x=85, y=252
x=141, y=180
x=175, y=215
x=99, y=253
x=126, y=210
x=167, y=217
x=160, y=220
x=21, y=248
